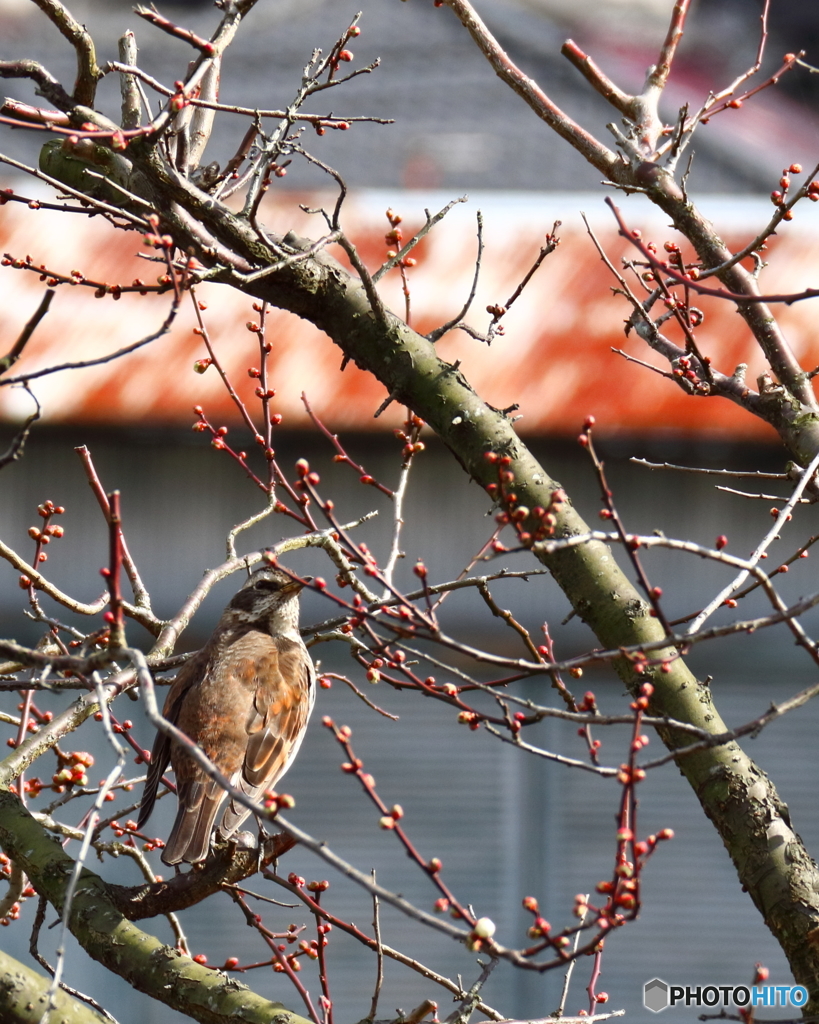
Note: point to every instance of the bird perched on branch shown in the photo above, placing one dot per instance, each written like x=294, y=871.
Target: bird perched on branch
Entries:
x=245, y=699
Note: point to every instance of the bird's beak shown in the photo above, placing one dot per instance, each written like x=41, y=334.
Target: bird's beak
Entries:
x=294, y=586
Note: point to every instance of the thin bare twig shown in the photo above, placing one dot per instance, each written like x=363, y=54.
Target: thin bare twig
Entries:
x=439, y=332
x=81, y=364
x=379, y=954
x=141, y=595
x=18, y=442
x=784, y=515
x=16, y=350
x=431, y=221
x=737, y=473
x=88, y=72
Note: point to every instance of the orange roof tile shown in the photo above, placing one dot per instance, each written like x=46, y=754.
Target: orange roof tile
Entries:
x=555, y=358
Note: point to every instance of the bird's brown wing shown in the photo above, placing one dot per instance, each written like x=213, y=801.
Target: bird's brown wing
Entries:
x=161, y=751
x=247, y=712
x=275, y=726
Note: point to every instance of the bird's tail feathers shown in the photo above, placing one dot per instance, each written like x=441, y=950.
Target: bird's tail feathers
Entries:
x=190, y=836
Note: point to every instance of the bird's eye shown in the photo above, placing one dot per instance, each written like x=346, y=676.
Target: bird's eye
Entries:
x=266, y=585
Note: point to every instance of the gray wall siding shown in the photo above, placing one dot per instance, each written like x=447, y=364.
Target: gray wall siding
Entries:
x=504, y=825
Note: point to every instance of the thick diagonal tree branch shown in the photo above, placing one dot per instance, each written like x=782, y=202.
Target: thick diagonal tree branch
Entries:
x=24, y=997
x=88, y=72
x=771, y=860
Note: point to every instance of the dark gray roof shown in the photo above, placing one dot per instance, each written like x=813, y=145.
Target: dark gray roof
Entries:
x=457, y=125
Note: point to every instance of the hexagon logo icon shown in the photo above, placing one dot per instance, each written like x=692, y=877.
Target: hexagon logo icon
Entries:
x=655, y=995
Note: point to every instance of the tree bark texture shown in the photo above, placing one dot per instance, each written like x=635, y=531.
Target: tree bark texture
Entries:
x=147, y=964
x=771, y=860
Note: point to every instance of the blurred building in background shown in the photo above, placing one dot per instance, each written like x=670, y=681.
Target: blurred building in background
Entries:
x=457, y=126
x=505, y=827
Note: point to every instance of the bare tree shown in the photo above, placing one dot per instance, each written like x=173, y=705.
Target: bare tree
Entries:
x=146, y=173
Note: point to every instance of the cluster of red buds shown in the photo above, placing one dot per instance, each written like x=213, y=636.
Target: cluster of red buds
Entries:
x=360, y=616
x=531, y=525
x=33, y=787
x=43, y=535
x=641, y=703
x=17, y=263
x=496, y=311
x=779, y=196
x=153, y=844
x=35, y=719
x=315, y=887
x=305, y=475
x=470, y=718
x=647, y=845
x=628, y=776
x=340, y=53
x=118, y=141
x=343, y=56
x=581, y=905
x=674, y=262
x=588, y=704
x=41, y=717
x=129, y=829
x=370, y=561
x=13, y=913
x=583, y=438
x=354, y=768
x=153, y=238
x=73, y=771
x=179, y=100
x=540, y=927
x=292, y=962
x=623, y=890
x=683, y=369
x=389, y=821
x=409, y=436
x=218, y=435
x=275, y=802
x=516, y=723
x=394, y=237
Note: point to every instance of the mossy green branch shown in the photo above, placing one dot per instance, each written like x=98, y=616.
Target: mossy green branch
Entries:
x=24, y=998
x=147, y=964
